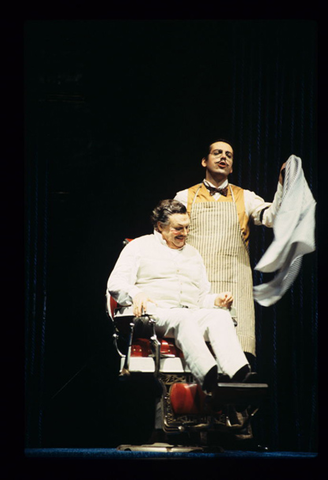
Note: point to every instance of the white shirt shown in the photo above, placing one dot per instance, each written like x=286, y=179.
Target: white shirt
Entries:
x=254, y=204
x=171, y=277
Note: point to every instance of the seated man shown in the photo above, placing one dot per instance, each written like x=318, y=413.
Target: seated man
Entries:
x=161, y=274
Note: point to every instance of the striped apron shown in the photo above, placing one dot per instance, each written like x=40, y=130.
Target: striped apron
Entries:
x=215, y=232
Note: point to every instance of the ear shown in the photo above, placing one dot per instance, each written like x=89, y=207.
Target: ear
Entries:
x=204, y=162
x=159, y=226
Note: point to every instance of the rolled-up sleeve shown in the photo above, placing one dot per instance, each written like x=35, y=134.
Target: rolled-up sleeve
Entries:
x=261, y=212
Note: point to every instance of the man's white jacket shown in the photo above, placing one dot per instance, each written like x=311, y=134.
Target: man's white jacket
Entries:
x=170, y=277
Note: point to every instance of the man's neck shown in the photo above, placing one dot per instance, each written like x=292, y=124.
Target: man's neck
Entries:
x=216, y=180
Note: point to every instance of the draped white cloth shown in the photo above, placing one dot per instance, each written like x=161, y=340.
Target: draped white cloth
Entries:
x=294, y=236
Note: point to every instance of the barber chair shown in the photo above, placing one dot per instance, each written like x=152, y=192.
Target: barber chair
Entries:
x=181, y=412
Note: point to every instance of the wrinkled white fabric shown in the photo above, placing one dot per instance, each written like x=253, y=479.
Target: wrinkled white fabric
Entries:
x=293, y=230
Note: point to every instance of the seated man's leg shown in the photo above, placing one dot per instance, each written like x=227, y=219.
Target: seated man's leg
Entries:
x=218, y=327
x=182, y=323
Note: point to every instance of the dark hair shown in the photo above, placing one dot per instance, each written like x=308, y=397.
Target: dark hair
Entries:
x=164, y=210
x=214, y=141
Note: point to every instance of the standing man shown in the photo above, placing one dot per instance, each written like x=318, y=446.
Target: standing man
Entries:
x=220, y=214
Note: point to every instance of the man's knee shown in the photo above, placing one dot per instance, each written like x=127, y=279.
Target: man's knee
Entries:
x=187, y=323
x=222, y=317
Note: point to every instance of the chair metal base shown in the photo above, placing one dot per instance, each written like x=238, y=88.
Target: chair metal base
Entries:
x=160, y=447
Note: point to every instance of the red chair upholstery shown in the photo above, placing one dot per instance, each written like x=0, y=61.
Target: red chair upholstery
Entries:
x=187, y=399
x=141, y=348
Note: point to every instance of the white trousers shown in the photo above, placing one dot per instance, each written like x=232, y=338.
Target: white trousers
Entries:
x=191, y=328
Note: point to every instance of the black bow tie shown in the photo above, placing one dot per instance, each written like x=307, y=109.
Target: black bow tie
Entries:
x=214, y=190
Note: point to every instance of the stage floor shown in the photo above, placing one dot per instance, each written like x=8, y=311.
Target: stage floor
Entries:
x=112, y=453
x=113, y=464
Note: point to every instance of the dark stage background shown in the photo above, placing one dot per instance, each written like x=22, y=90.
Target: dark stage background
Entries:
x=117, y=117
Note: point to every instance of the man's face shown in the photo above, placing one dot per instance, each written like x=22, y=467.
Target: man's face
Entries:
x=220, y=159
x=176, y=232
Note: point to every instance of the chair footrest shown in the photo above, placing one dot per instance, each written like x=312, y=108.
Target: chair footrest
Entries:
x=241, y=392
x=188, y=399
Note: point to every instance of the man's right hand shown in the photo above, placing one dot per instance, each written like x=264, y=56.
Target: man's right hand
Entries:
x=140, y=302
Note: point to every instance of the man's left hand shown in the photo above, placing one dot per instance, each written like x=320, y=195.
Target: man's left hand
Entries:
x=224, y=300
x=282, y=172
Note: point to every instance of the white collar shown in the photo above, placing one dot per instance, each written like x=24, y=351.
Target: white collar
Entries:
x=224, y=184
x=159, y=238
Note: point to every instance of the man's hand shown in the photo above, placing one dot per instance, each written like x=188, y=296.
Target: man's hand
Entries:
x=282, y=173
x=140, y=302
x=224, y=299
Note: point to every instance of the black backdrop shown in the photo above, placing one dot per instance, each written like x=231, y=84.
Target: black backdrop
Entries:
x=117, y=117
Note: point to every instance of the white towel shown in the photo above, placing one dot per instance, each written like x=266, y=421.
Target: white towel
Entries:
x=293, y=230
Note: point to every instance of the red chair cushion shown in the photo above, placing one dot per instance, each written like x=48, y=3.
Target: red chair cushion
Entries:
x=141, y=348
x=187, y=399
x=168, y=348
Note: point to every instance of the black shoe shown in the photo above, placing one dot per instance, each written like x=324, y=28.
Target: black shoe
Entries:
x=210, y=381
x=241, y=374
x=251, y=377
x=245, y=375
x=223, y=378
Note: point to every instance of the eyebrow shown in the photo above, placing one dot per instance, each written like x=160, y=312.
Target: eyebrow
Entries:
x=221, y=150
x=181, y=225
